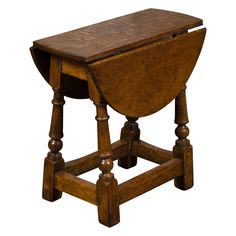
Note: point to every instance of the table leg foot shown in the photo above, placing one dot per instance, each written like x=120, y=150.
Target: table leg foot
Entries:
x=108, y=201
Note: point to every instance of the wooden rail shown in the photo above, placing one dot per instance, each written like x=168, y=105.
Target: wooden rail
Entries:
x=149, y=180
x=75, y=186
x=90, y=162
x=150, y=152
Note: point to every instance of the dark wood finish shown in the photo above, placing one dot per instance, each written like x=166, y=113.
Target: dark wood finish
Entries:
x=108, y=201
x=130, y=132
x=149, y=180
x=55, y=72
x=75, y=186
x=136, y=64
x=183, y=149
x=106, y=186
x=54, y=161
x=91, y=161
x=151, y=153
x=72, y=87
x=75, y=69
x=150, y=76
x=104, y=39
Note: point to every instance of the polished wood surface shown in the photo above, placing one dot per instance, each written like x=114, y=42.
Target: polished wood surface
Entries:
x=120, y=34
x=107, y=185
x=71, y=85
x=148, y=77
x=84, y=164
x=75, y=69
x=130, y=133
x=136, y=64
x=54, y=161
x=183, y=149
x=75, y=186
x=150, y=152
x=150, y=180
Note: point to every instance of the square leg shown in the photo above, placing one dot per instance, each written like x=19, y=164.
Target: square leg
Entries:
x=108, y=201
x=130, y=132
x=50, y=168
x=184, y=181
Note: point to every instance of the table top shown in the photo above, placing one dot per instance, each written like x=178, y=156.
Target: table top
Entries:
x=94, y=42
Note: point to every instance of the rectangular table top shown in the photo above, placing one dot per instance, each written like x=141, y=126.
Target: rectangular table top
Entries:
x=114, y=36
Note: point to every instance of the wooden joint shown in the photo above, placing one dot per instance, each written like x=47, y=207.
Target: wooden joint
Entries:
x=84, y=164
x=75, y=69
x=55, y=72
x=105, y=155
x=130, y=132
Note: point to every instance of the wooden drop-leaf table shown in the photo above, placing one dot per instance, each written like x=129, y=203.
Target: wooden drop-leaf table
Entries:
x=137, y=64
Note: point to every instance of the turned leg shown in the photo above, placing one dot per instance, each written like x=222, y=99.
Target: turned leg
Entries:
x=107, y=187
x=54, y=161
x=183, y=149
x=130, y=132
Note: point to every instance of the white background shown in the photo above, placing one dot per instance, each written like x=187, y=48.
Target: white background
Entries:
x=207, y=209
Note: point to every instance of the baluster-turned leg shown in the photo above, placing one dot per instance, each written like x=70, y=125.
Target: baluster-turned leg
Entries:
x=107, y=187
x=130, y=132
x=54, y=161
x=183, y=149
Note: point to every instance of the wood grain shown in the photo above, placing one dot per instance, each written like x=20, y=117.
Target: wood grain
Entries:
x=150, y=76
x=91, y=161
x=151, y=153
x=72, y=87
x=136, y=64
x=55, y=72
x=149, y=180
x=183, y=149
x=54, y=161
x=117, y=35
x=130, y=133
x=75, y=186
x=106, y=186
x=75, y=69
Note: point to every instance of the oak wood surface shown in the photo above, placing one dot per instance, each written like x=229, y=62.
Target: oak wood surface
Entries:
x=130, y=132
x=91, y=161
x=151, y=152
x=55, y=72
x=54, y=161
x=72, y=86
x=74, y=69
x=113, y=36
x=136, y=64
x=183, y=149
x=149, y=77
x=75, y=186
x=149, y=180
x=106, y=186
